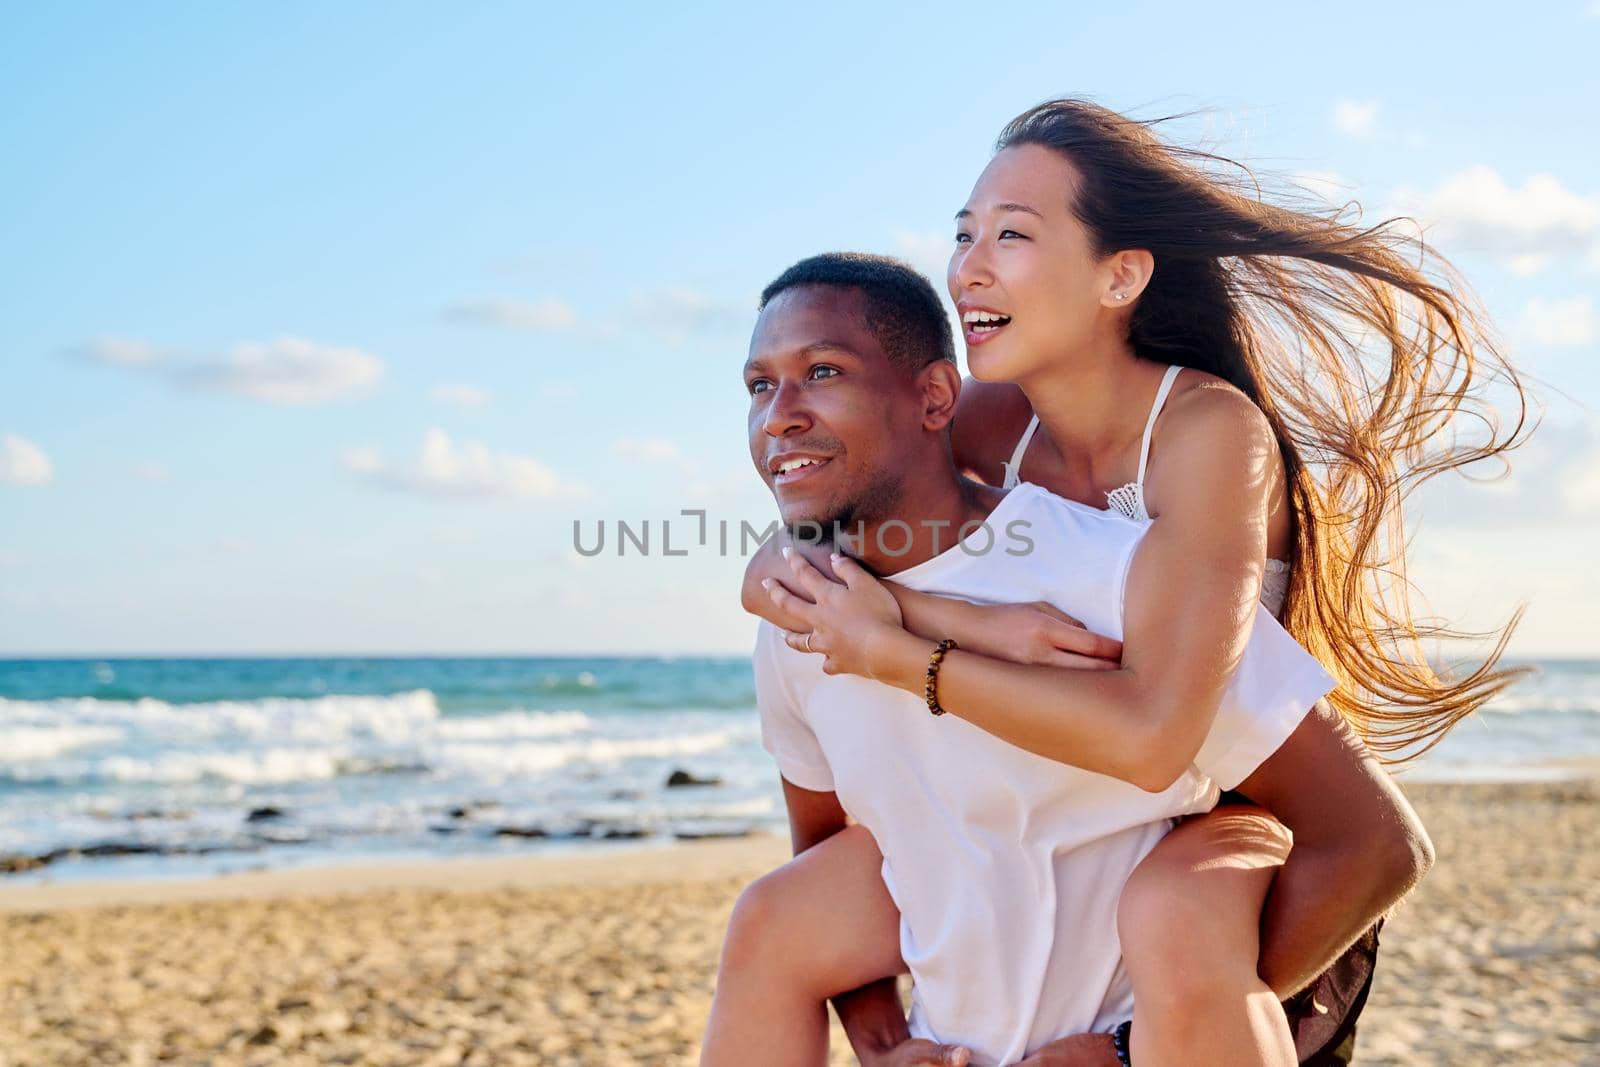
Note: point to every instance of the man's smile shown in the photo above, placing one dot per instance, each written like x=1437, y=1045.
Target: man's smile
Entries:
x=791, y=467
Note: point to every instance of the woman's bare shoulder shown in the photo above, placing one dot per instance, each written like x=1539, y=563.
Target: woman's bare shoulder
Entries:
x=1204, y=408
x=1212, y=442
x=990, y=416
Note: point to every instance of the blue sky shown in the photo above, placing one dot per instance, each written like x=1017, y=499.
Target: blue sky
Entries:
x=320, y=325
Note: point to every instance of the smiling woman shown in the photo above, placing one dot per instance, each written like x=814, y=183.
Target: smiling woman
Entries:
x=1363, y=364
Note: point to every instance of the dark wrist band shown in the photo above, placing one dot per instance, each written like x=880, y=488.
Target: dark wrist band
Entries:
x=931, y=689
x=1120, y=1038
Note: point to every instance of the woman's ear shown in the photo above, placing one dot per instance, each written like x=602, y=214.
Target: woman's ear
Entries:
x=1129, y=272
x=941, y=387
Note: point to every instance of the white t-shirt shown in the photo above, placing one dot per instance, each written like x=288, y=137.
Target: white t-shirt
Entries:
x=1007, y=866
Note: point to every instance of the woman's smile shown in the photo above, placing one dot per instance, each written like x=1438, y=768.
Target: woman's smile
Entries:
x=980, y=324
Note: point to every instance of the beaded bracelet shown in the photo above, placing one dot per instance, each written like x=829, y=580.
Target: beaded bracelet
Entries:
x=931, y=690
x=1119, y=1041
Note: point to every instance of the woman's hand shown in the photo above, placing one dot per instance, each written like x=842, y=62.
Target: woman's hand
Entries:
x=767, y=563
x=847, y=621
x=1035, y=633
x=863, y=611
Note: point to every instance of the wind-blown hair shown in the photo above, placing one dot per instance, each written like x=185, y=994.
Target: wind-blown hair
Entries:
x=1367, y=354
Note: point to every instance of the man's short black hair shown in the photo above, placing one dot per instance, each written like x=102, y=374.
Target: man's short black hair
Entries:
x=902, y=310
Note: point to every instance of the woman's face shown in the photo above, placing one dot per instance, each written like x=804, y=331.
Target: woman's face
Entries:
x=1024, y=277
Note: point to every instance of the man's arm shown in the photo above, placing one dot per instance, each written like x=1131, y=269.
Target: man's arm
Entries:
x=1358, y=848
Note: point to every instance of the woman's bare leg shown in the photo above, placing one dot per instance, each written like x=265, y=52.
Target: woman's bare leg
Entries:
x=1189, y=921
x=820, y=925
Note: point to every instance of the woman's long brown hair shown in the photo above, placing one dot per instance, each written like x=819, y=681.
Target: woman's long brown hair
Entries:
x=1368, y=356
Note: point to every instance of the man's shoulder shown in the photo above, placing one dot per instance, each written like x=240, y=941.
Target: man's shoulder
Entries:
x=989, y=418
x=770, y=647
x=778, y=664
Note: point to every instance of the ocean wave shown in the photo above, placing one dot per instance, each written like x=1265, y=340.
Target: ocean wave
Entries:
x=272, y=766
x=390, y=718
x=29, y=742
x=1556, y=689
x=513, y=724
x=507, y=759
x=329, y=738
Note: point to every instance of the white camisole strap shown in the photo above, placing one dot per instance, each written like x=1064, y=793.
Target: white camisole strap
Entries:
x=1013, y=472
x=1129, y=500
x=1155, y=409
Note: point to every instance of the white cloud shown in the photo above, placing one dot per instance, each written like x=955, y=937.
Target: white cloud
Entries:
x=1553, y=479
x=117, y=352
x=444, y=467
x=460, y=395
x=928, y=251
x=290, y=370
x=1326, y=185
x=1478, y=210
x=1357, y=118
x=1581, y=491
x=678, y=314
x=651, y=450
x=1561, y=323
x=674, y=315
x=362, y=459
x=546, y=315
x=1527, y=264
x=23, y=463
x=151, y=472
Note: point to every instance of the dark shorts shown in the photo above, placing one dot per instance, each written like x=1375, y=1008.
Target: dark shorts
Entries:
x=1323, y=1016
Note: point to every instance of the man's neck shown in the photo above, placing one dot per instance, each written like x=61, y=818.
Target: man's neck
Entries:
x=929, y=519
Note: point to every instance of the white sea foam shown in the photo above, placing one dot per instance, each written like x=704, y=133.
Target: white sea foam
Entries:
x=329, y=718
x=282, y=740
x=271, y=766
x=40, y=742
x=507, y=759
x=1549, y=693
x=513, y=724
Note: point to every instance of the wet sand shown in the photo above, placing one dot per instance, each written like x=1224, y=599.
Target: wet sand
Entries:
x=610, y=958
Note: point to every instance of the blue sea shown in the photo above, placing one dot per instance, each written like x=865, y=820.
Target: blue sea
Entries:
x=157, y=767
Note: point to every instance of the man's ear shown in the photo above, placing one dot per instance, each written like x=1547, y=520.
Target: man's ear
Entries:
x=941, y=387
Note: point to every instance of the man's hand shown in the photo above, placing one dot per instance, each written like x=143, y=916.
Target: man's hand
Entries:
x=1079, y=1050
x=920, y=1053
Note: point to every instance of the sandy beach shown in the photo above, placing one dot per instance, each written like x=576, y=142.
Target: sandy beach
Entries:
x=609, y=958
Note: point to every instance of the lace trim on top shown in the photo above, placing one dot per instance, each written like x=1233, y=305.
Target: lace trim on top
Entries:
x=1128, y=500
x=1275, y=586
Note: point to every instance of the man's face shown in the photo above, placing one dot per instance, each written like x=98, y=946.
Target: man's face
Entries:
x=832, y=420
